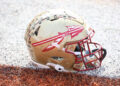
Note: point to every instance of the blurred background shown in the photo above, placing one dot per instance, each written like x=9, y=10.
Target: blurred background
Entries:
x=102, y=15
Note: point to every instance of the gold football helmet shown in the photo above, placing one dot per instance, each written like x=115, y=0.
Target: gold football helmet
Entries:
x=60, y=39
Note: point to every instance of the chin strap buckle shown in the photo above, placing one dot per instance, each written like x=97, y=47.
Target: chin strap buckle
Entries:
x=57, y=67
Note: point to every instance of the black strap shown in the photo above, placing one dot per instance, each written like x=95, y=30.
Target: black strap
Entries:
x=104, y=53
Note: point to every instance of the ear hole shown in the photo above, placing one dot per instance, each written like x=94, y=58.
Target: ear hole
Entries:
x=78, y=48
x=59, y=69
x=57, y=58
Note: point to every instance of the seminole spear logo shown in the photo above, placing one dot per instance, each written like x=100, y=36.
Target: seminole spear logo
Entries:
x=72, y=31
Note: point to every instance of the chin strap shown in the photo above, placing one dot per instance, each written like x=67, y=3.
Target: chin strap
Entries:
x=104, y=54
x=57, y=67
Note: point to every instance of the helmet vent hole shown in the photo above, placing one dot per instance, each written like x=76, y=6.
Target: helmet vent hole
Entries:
x=55, y=18
x=57, y=58
x=36, y=32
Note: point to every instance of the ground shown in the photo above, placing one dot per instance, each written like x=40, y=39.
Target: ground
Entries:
x=103, y=16
x=16, y=76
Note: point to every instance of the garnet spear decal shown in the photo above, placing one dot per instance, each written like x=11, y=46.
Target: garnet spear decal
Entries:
x=72, y=31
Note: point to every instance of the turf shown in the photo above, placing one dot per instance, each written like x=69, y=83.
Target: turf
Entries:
x=17, y=76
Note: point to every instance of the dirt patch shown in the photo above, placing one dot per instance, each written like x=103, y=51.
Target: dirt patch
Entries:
x=16, y=76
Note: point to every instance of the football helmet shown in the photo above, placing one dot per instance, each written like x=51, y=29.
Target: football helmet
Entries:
x=61, y=39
